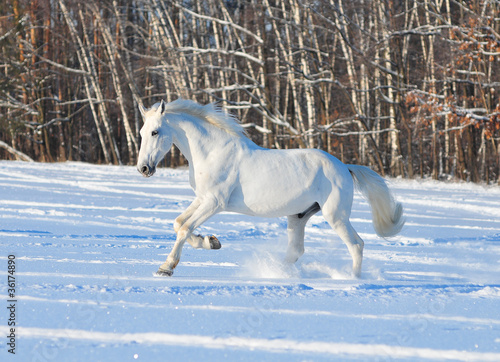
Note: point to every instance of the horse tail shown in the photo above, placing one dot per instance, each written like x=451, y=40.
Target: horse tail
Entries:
x=387, y=214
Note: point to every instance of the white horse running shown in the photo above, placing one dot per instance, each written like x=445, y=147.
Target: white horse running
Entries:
x=228, y=172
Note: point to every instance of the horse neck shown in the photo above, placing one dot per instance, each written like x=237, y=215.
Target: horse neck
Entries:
x=196, y=139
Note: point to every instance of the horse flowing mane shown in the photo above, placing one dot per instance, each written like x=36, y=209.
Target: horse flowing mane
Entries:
x=209, y=113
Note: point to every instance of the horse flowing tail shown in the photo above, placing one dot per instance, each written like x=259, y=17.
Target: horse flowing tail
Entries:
x=386, y=212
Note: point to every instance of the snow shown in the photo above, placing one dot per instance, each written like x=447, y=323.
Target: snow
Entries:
x=87, y=240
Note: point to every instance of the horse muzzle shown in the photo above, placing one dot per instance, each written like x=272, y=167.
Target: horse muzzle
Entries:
x=146, y=170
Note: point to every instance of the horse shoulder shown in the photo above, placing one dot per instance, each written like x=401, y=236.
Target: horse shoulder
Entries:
x=216, y=175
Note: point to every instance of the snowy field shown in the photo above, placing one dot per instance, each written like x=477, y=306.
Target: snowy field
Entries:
x=87, y=240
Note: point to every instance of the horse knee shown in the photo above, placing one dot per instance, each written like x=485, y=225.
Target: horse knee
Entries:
x=177, y=224
x=183, y=233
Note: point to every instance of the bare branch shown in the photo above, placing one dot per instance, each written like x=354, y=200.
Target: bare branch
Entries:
x=15, y=152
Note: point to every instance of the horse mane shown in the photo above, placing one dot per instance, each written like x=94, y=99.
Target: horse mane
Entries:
x=210, y=113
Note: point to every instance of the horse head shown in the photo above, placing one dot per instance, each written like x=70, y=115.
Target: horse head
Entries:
x=156, y=139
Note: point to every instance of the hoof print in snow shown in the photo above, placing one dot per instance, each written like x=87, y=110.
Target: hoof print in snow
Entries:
x=214, y=243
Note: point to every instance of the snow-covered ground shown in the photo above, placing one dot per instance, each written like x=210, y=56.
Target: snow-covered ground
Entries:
x=87, y=240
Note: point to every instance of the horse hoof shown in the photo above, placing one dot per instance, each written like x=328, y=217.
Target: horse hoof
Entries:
x=164, y=273
x=214, y=243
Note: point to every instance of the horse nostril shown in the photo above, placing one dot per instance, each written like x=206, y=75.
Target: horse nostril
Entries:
x=144, y=169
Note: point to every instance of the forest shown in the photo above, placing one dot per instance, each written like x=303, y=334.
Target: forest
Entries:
x=408, y=87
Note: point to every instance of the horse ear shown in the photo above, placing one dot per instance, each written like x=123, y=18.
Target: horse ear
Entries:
x=161, y=108
x=142, y=110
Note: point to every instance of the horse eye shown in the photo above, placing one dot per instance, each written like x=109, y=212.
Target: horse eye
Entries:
x=154, y=133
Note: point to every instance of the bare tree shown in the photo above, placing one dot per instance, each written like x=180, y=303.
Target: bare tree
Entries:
x=409, y=87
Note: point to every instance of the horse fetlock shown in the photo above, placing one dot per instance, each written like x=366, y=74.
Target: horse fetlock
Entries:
x=169, y=264
x=356, y=270
x=166, y=269
x=294, y=255
x=356, y=265
x=294, y=252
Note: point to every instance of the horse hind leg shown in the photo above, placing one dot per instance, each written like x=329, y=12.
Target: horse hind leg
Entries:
x=350, y=237
x=295, y=229
x=354, y=244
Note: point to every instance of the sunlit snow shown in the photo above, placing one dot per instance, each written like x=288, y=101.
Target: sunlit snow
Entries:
x=87, y=240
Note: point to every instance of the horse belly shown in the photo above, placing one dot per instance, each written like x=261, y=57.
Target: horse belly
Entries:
x=277, y=186
x=265, y=204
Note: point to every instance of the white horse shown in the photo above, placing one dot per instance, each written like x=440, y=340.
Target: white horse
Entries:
x=229, y=172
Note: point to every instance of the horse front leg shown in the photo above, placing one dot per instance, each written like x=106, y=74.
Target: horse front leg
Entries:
x=181, y=219
x=196, y=214
x=196, y=241
x=204, y=242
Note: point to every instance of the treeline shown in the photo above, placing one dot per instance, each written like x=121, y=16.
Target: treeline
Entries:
x=409, y=87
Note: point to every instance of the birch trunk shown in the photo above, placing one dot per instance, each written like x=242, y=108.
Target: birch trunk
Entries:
x=432, y=89
x=94, y=79
x=112, y=50
x=304, y=66
x=391, y=96
x=83, y=60
x=292, y=82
